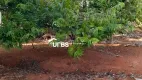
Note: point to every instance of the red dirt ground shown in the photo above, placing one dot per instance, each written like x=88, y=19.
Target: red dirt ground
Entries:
x=117, y=59
x=100, y=62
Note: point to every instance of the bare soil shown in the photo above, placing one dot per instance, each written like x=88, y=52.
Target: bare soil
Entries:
x=100, y=62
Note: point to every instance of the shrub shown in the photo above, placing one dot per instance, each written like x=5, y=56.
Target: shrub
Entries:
x=89, y=21
x=19, y=22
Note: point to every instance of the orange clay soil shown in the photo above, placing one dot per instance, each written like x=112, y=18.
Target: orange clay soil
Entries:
x=95, y=59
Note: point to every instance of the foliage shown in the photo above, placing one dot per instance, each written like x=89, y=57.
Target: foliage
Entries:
x=89, y=25
x=20, y=22
x=92, y=23
x=138, y=6
x=89, y=21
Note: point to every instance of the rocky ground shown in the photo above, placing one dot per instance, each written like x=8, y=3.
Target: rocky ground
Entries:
x=20, y=74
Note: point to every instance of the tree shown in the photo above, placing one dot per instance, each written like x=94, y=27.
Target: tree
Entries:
x=19, y=22
x=96, y=20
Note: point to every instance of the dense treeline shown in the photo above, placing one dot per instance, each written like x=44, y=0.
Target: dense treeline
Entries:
x=89, y=21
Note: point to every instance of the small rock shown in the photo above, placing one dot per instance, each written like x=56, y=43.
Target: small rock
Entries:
x=138, y=79
x=129, y=78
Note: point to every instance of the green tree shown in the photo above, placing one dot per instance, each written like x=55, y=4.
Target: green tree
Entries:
x=96, y=20
x=19, y=21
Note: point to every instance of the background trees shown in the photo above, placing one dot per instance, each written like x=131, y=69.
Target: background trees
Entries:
x=90, y=21
x=19, y=22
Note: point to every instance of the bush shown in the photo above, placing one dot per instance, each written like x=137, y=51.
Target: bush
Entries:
x=20, y=22
x=88, y=24
x=88, y=21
